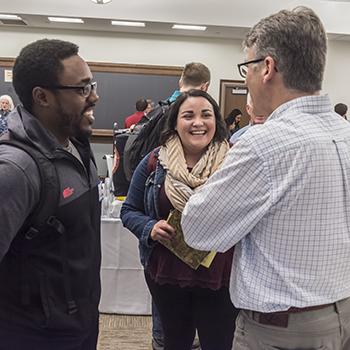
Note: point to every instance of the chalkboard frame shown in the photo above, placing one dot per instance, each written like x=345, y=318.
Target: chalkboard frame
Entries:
x=105, y=135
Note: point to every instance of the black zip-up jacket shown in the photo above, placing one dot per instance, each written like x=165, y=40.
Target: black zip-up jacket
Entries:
x=34, y=281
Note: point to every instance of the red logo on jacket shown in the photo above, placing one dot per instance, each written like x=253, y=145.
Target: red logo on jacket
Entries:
x=67, y=192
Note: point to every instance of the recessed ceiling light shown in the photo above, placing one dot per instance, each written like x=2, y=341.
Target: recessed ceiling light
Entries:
x=65, y=20
x=15, y=17
x=188, y=27
x=128, y=24
x=101, y=2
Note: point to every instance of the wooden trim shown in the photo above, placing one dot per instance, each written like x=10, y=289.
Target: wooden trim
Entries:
x=106, y=135
x=228, y=83
x=134, y=68
x=102, y=132
x=7, y=62
x=102, y=136
x=117, y=67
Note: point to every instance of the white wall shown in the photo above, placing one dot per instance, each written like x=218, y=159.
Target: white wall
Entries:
x=220, y=55
x=337, y=75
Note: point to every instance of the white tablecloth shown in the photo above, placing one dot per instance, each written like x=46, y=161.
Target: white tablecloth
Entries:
x=124, y=290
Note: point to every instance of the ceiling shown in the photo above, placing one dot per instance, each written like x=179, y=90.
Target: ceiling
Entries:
x=227, y=19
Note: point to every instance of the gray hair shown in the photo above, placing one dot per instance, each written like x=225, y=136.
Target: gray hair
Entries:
x=297, y=41
x=9, y=99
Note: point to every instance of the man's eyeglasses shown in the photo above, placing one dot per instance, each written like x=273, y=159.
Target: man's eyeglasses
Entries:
x=243, y=67
x=85, y=90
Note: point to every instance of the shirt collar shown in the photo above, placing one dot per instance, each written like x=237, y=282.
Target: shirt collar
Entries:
x=313, y=104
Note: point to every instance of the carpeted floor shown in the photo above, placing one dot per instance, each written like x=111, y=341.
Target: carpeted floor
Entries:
x=124, y=332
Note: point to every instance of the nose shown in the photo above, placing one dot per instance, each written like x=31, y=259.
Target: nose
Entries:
x=197, y=121
x=93, y=97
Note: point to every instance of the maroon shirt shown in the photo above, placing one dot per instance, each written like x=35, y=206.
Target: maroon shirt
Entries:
x=165, y=267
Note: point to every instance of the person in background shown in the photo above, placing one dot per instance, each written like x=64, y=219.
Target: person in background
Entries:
x=254, y=120
x=282, y=196
x=195, y=75
x=146, y=117
x=193, y=147
x=50, y=273
x=150, y=106
x=341, y=109
x=142, y=107
x=6, y=106
x=232, y=121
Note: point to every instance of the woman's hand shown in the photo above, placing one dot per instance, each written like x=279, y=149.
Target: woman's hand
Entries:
x=162, y=231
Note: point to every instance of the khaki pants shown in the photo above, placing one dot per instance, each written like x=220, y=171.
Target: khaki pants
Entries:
x=323, y=329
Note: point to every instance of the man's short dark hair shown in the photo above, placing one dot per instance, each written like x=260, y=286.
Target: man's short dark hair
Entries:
x=195, y=74
x=39, y=64
x=341, y=109
x=141, y=104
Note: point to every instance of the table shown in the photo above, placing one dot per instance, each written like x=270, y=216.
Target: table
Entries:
x=124, y=290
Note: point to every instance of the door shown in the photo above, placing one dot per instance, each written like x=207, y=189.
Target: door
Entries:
x=233, y=94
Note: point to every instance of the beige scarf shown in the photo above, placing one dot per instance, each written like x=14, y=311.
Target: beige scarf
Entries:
x=180, y=184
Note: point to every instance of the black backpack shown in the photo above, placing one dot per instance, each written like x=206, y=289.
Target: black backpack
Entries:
x=42, y=215
x=120, y=182
x=141, y=142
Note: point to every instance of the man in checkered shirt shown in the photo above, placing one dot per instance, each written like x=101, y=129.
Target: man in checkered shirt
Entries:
x=282, y=197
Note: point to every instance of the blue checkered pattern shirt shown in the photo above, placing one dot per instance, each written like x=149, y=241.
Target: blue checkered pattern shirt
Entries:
x=282, y=197
x=3, y=124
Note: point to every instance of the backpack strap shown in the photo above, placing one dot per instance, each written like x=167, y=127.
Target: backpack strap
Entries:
x=43, y=214
x=165, y=103
x=152, y=160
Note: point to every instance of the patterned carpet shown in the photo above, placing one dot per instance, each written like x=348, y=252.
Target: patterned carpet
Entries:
x=124, y=332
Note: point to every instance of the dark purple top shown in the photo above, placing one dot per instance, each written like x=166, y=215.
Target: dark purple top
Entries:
x=165, y=267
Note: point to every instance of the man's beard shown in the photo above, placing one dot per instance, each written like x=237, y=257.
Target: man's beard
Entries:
x=75, y=126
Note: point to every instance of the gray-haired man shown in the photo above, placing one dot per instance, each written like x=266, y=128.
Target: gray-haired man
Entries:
x=282, y=197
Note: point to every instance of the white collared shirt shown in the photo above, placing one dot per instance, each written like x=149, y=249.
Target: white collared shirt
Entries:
x=282, y=197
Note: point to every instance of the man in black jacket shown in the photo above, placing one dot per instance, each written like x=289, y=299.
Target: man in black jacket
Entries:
x=49, y=275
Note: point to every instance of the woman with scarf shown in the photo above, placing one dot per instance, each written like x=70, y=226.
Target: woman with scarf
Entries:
x=188, y=298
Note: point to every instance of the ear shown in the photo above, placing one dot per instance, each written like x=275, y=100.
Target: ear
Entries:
x=181, y=83
x=205, y=86
x=40, y=96
x=270, y=69
x=248, y=109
